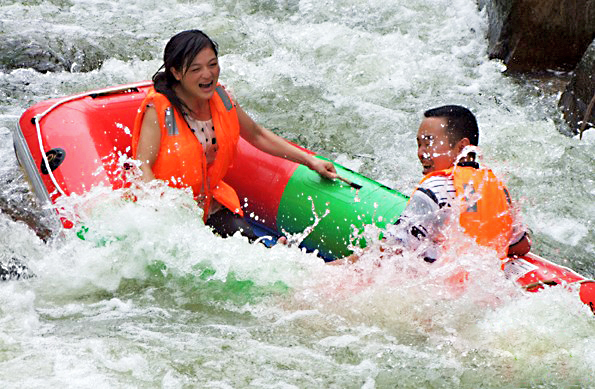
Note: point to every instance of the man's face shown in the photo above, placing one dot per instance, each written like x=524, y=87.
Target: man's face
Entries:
x=433, y=146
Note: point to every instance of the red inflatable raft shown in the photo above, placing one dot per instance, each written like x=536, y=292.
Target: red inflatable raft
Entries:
x=72, y=144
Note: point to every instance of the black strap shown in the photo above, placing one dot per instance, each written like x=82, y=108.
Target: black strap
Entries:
x=429, y=193
x=472, y=164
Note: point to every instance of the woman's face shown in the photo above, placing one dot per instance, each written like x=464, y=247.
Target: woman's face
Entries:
x=200, y=78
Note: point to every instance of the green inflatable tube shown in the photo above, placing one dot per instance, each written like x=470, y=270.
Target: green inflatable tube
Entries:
x=331, y=211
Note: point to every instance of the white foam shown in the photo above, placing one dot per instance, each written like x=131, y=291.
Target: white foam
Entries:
x=138, y=304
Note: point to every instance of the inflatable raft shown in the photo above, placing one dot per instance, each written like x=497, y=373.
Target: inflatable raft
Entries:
x=69, y=145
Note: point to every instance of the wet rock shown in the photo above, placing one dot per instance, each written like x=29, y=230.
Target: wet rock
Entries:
x=12, y=268
x=578, y=100
x=50, y=53
x=35, y=218
x=19, y=204
x=539, y=35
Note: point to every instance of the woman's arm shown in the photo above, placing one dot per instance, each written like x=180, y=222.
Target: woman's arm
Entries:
x=148, y=143
x=270, y=143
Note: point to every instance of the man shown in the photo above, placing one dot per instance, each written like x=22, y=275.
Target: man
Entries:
x=454, y=189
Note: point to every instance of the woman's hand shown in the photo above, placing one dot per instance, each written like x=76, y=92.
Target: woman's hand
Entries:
x=325, y=168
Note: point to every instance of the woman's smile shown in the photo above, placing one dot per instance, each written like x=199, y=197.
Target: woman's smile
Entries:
x=200, y=78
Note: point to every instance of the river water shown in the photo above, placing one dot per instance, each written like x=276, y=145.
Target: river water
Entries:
x=162, y=302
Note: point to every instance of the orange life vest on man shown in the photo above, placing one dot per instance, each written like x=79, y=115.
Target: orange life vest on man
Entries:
x=181, y=159
x=485, y=207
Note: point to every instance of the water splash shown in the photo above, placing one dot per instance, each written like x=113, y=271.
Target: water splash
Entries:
x=297, y=238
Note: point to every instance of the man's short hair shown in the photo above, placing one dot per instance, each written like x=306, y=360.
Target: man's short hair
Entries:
x=461, y=123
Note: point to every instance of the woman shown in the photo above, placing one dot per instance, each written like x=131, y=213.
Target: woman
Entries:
x=187, y=129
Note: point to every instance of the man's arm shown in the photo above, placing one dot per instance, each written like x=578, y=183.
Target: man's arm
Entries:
x=521, y=247
x=418, y=224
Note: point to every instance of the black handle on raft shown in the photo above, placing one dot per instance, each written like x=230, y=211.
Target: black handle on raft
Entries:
x=350, y=183
x=129, y=89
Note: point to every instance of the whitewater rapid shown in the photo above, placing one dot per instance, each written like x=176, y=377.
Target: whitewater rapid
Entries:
x=152, y=298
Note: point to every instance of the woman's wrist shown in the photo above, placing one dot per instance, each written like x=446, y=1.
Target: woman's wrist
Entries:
x=309, y=161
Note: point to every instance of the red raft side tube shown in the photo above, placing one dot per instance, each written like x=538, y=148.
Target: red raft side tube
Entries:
x=70, y=145
x=260, y=180
x=533, y=273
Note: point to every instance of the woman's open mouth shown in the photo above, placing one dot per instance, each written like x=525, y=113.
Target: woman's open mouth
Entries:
x=206, y=86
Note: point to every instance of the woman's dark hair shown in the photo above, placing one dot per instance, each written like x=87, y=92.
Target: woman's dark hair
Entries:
x=178, y=54
x=461, y=123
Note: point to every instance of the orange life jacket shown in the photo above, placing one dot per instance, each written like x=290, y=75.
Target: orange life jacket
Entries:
x=485, y=207
x=181, y=160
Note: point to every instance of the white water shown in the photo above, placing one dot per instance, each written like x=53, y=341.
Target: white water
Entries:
x=162, y=302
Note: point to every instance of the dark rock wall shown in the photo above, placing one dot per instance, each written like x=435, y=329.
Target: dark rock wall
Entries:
x=578, y=100
x=539, y=35
x=49, y=54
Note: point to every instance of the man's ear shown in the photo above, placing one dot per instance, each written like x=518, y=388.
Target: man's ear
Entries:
x=462, y=144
